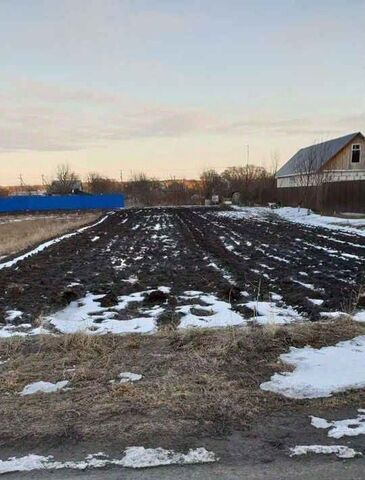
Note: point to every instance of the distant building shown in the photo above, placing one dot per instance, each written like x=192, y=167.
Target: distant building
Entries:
x=328, y=175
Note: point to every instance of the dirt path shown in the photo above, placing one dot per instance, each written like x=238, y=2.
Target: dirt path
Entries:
x=249, y=456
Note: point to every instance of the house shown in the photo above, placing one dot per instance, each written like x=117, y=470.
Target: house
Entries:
x=326, y=176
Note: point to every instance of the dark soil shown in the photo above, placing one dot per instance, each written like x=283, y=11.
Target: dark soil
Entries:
x=189, y=249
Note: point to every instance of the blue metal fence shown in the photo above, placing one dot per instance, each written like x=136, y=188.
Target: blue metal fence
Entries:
x=29, y=203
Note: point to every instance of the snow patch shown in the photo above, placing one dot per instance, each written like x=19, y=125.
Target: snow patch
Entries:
x=43, y=387
x=218, y=313
x=140, y=457
x=342, y=428
x=321, y=372
x=339, y=450
x=126, y=377
x=269, y=312
x=134, y=457
x=11, y=315
x=87, y=315
x=360, y=316
x=316, y=301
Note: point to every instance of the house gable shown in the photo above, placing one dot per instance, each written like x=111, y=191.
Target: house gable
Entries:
x=314, y=157
x=342, y=161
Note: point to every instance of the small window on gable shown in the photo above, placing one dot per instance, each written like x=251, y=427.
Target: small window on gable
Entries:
x=355, y=153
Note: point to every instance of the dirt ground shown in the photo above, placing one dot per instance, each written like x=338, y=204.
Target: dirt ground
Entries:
x=195, y=249
x=199, y=387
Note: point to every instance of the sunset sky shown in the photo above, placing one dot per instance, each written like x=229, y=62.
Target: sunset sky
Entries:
x=172, y=87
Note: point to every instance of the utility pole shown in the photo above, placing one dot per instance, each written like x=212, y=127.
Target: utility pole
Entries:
x=21, y=180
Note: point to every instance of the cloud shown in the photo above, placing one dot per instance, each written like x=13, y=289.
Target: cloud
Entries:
x=40, y=116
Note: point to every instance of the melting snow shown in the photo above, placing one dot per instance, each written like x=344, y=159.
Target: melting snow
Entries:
x=339, y=450
x=333, y=314
x=269, y=312
x=43, y=387
x=316, y=301
x=218, y=313
x=11, y=315
x=126, y=377
x=342, y=428
x=360, y=316
x=21, y=330
x=321, y=372
x=298, y=215
x=87, y=315
x=140, y=457
x=134, y=457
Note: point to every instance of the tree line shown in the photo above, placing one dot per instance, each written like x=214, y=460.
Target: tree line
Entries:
x=248, y=184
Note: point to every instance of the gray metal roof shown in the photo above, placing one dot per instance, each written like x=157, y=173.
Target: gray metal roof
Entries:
x=311, y=159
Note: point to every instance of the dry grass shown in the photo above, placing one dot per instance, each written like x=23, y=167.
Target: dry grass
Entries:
x=20, y=233
x=194, y=383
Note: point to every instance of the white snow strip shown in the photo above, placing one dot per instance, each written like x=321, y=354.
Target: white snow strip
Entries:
x=43, y=387
x=316, y=301
x=342, y=428
x=309, y=286
x=140, y=457
x=321, y=372
x=134, y=457
x=333, y=315
x=48, y=244
x=339, y=450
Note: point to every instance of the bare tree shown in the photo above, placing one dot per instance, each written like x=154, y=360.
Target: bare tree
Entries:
x=142, y=190
x=66, y=181
x=212, y=183
x=254, y=184
x=97, y=183
x=312, y=176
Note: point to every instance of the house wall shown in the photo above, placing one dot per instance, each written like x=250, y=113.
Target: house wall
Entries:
x=327, y=177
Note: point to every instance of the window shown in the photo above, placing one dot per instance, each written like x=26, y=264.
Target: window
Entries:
x=355, y=153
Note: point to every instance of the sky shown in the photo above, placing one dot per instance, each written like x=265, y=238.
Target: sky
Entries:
x=172, y=87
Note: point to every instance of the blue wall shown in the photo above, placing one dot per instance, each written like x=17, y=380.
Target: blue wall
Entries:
x=29, y=203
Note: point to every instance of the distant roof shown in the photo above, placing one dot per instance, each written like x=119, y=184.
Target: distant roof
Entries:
x=314, y=157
